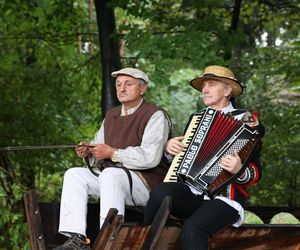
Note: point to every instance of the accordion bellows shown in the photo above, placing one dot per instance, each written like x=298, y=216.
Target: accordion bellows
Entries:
x=210, y=136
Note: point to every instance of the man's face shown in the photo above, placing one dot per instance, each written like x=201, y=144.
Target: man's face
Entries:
x=215, y=93
x=129, y=90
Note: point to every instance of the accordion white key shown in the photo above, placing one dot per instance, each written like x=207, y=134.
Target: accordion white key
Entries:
x=210, y=136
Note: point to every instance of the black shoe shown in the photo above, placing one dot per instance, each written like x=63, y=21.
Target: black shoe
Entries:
x=73, y=243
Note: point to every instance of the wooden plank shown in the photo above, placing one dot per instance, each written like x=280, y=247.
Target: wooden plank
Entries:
x=252, y=237
x=285, y=237
x=169, y=238
x=106, y=229
x=158, y=224
x=115, y=226
x=34, y=220
x=130, y=236
x=246, y=237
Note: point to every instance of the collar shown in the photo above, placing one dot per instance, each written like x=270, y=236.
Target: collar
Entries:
x=228, y=108
x=132, y=110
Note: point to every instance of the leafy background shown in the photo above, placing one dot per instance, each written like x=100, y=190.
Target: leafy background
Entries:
x=50, y=84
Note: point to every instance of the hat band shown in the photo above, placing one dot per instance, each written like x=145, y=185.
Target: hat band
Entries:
x=224, y=77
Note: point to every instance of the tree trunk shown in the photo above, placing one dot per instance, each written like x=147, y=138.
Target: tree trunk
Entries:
x=110, y=57
x=234, y=24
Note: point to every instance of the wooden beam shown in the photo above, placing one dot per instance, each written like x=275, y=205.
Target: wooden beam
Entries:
x=34, y=220
x=105, y=231
x=158, y=224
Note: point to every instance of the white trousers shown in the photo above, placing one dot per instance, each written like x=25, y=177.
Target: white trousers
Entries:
x=112, y=187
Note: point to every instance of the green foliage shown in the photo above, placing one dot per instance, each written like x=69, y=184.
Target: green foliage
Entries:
x=252, y=218
x=184, y=101
x=50, y=86
x=284, y=218
x=12, y=224
x=280, y=185
x=50, y=95
x=268, y=92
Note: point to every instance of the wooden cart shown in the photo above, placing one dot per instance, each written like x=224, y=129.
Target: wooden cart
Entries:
x=163, y=234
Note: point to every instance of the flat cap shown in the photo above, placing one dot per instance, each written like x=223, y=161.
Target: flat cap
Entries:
x=136, y=73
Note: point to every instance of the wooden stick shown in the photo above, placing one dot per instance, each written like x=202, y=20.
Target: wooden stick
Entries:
x=27, y=148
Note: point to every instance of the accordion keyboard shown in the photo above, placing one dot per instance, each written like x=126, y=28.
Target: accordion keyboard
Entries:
x=171, y=176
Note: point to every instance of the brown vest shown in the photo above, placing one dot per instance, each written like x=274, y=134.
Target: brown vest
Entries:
x=123, y=131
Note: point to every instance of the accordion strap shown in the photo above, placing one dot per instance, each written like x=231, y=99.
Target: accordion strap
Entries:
x=110, y=164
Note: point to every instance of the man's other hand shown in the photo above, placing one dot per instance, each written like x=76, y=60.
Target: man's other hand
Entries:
x=102, y=151
x=232, y=163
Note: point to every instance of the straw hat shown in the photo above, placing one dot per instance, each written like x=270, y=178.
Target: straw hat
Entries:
x=219, y=73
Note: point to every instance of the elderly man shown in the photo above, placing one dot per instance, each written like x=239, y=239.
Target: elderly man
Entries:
x=205, y=216
x=132, y=136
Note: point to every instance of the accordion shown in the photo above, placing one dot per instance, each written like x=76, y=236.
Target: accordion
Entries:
x=210, y=136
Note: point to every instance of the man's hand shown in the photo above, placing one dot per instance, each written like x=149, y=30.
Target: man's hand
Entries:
x=83, y=149
x=232, y=163
x=102, y=151
x=174, y=146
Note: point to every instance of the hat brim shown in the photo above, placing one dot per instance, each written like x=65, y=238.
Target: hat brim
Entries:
x=237, y=88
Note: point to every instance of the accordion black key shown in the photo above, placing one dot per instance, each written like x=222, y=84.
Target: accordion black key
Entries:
x=211, y=135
